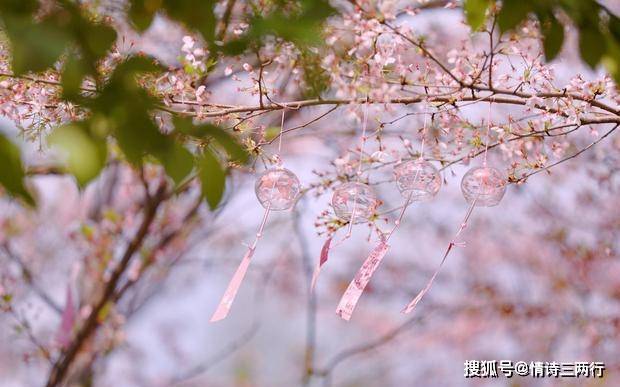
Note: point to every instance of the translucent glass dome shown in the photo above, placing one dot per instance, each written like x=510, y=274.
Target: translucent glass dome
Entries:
x=355, y=198
x=485, y=185
x=417, y=179
x=277, y=189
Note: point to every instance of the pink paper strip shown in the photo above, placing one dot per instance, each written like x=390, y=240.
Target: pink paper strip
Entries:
x=411, y=306
x=357, y=285
x=323, y=258
x=63, y=336
x=421, y=294
x=233, y=287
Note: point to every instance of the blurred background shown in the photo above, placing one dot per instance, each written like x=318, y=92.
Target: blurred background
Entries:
x=538, y=278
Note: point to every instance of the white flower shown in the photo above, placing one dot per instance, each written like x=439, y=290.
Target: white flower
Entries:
x=534, y=101
x=188, y=43
x=380, y=156
x=200, y=91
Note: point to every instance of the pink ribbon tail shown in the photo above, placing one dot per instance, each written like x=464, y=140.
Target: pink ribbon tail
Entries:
x=411, y=306
x=233, y=287
x=356, y=287
x=63, y=336
x=421, y=294
x=323, y=258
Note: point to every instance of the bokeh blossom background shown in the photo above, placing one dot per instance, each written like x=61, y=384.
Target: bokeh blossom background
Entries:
x=536, y=279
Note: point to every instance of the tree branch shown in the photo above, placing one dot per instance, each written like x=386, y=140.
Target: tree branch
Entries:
x=28, y=277
x=66, y=357
x=571, y=156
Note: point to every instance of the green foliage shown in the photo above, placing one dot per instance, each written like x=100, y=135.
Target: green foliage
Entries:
x=553, y=34
x=315, y=77
x=209, y=131
x=598, y=28
x=512, y=14
x=142, y=12
x=11, y=171
x=212, y=178
x=475, y=12
x=84, y=150
x=591, y=46
x=37, y=45
x=296, y=22
x=300, y=25
x=72, y=75
x=196, y=15
x=120, y=109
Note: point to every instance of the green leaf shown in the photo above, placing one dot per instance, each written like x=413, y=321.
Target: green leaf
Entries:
x=212, y=178
x=228, y=142
x=34, y=46
x=512, y=13
x=236, y=47
x=271, y=132
x=302, y=27
x=85, y=154
x=73, y=73
x=475, y=12
x=553, y=35
x=137, y=134
x=316, y=79
x=97, y=39
x=591, y=45
x=177, y=161
x=127, y=70
x=19, y=7
x=12, y=171
x=611, y=60
x=142, y=12
x=614, y=27
x=198, y=15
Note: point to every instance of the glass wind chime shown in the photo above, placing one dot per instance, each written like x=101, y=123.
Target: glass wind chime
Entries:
x=353, y=202
x=481, y=187
x=417, y=180
x=277, y=189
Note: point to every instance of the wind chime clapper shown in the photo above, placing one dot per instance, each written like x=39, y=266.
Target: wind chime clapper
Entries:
x=277, y=189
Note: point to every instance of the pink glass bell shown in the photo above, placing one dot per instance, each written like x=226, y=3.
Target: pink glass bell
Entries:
x=277, y=189
x=417, y=179
x=484, y=185
x=355, y=198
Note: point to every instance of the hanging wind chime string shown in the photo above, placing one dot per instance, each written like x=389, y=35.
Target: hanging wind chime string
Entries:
x=486, y=141
x=358, y=175
x=408, y=200
x=454, y=241
x=223, y=308
x=356, y=287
